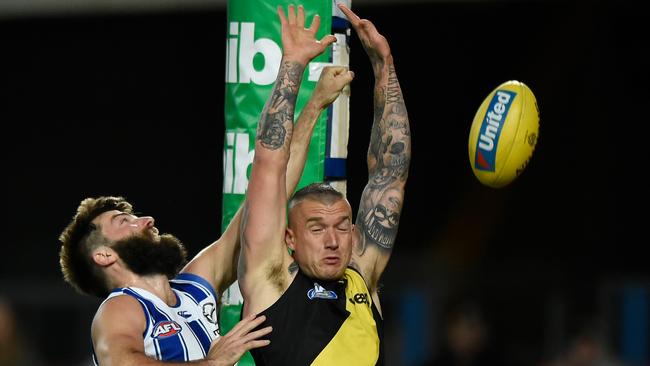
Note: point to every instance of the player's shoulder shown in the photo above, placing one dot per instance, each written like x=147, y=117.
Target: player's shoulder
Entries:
x=118, y=308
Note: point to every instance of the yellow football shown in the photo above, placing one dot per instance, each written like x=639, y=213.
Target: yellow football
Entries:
x=504, y=134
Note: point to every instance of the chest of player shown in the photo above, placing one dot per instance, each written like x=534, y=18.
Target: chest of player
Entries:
x=321, y=323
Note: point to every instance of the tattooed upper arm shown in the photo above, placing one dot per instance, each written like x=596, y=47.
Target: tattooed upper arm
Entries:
x=263, y=222
x=378, y=221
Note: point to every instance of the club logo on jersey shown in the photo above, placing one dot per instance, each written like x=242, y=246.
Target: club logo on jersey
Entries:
x=166, y=328
x=320, y=293
x=210, y=312
x=486, y=146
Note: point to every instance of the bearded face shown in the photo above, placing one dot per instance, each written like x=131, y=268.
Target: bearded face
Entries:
x=147, y=254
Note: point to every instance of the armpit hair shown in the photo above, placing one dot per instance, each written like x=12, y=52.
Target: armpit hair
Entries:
x=277, y=277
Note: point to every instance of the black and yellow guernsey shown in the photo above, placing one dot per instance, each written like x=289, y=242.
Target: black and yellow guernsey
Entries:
x=323, y=323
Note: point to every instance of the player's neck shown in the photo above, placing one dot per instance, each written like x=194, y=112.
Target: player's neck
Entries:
x=157, y=285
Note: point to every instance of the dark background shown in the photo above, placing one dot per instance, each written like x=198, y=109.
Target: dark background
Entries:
x=132, y=104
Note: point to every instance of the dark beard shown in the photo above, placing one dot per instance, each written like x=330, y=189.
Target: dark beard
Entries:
x=145, y=255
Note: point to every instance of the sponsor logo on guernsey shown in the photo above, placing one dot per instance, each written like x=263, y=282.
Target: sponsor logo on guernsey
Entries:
x=319, y=292
x=360, y=298
x=184, y=314
x=165, y=329
x=488, y=141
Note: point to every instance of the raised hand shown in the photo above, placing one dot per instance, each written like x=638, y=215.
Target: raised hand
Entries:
x=228, y=349
x=373, y=42
x=330, y=84
x=299, y=43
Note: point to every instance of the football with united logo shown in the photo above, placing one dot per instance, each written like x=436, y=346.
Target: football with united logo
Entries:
x=504, y=134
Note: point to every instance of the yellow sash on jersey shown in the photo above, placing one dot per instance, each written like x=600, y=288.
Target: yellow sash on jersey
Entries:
x=357, y=342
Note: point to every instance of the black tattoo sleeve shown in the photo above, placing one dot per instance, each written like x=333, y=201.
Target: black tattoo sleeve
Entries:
x=276, y=123
x=389, y=155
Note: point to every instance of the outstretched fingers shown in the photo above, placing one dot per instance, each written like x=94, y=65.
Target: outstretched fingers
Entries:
x=252, y=337
x=257, y=344
x=246, y=325
x=283, y=18
x=352, y=17
x=315, y=24
x=327, y=40
x=300, y=19
x=363, y=27
x=373, y=42
x=291, y=16
x=299, y=44
x=229, y=348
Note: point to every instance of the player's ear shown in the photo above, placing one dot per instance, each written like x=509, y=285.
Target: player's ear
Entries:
x=357, y=241
x=104, y=256
x=290, y=239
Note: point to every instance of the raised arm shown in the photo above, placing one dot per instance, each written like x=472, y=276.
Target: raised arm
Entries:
x=218, y=262
x=263, y=220
x=389, y=155
x=330, y=84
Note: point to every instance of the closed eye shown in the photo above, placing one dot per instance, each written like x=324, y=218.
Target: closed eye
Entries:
x=316, y=229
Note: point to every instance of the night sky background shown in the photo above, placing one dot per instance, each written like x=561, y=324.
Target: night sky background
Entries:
x=131, y=104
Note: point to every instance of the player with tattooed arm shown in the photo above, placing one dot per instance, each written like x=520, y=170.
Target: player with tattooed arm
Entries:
x=322, y=299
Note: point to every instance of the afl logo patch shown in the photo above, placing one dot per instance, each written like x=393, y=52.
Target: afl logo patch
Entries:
x=318, y=292
x=165, y=329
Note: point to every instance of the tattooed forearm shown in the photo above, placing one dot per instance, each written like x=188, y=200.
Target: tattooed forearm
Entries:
x=379, y=221
x=393, y=91
x=376, y=62
x=379, y=104
x=389, y=154
x=271, y=132
x=276, y=123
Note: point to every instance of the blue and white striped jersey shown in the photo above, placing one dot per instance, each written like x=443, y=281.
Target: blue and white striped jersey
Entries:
x=182, y=332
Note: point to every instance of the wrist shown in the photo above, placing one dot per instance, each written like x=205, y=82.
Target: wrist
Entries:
x=382, y=66
x=295, y=59
x=314, y=105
